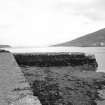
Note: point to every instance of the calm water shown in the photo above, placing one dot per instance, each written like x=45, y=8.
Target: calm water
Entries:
x=99, y=52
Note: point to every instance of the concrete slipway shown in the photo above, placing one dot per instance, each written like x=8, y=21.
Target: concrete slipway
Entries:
x=12, y=81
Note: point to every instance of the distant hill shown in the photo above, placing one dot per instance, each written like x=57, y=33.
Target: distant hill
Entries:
x=96, y=39
x=4, y=46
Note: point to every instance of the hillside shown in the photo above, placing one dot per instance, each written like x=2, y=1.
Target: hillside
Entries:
x=4, y=46
x=96, y=39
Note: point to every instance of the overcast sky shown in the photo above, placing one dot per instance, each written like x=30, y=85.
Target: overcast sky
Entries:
x=46, y=22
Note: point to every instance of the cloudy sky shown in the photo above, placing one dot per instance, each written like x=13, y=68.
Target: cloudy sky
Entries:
x=46, y=22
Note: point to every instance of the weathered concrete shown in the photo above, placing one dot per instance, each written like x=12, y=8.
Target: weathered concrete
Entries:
x=12, y=81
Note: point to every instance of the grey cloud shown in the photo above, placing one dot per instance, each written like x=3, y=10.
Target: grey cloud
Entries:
x=94, y=11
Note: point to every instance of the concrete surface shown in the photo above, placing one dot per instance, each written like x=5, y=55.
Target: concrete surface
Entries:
x=12, y=81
